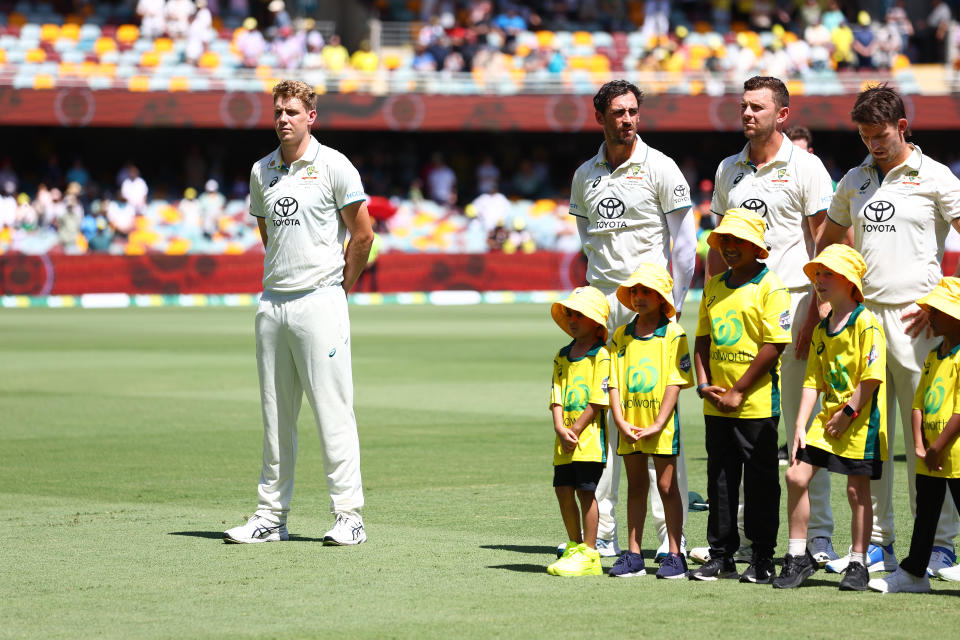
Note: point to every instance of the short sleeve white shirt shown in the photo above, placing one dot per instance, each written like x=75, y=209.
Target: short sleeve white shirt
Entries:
x=301, y=207
x=626, y=211
x=900, y=223
x=795, y=185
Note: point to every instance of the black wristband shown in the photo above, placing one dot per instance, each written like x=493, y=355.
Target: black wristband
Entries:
x=700, y=388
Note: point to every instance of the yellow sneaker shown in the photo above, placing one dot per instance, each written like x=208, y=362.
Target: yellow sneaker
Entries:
x=582, y=561
x=568, y=549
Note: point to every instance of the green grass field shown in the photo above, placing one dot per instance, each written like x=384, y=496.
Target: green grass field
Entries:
x=130, y=440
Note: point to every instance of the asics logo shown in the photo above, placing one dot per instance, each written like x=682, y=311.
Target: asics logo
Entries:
x=285, y=207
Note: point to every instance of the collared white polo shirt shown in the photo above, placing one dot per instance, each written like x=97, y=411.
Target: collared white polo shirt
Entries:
x=793, y=186
x=626, y=211
x=900, y=222
x=301, y=206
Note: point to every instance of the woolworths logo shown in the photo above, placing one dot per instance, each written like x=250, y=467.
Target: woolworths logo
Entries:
x=727, y=333
x=577, y=396
x=837, y=377
x=933, y=398
x=641, y=377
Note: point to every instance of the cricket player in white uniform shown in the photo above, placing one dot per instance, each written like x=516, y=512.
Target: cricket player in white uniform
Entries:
x=632, y=203
x=791, y=190
x=305, y=197
x=900, y=204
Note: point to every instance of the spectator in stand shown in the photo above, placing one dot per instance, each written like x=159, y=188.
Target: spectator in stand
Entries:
x=8, y=205
x=441, y=181
x=153, y=22
x=656, y=18
x=251, y=43
x=178, y=14
x=488, y=176
x=134, y=190
x=335, y=55
x=809, y=14
x=313, y=59
x=889, y=45
x=288, y=47
x=212, y=207
x=818, y=37
x=27, y=217
x=833, y=17
x=842, y=40
x=200, y=33
x=898, y=18
x=281, y=18
x=121, y=216
x=932, y=34
x=68, y=225
x=102, y=236
x=864, y=41
x=423, y=60
x=527, y=181
x=78, y=173
x=55, y=210
x=364, y=59
x=7, y=174
x=189, y=210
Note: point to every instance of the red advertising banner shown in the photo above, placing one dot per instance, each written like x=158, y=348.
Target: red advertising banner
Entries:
x=82, y=107
x=394, y=272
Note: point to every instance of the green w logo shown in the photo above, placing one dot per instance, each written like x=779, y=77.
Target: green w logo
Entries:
x=642, y=377
x=727, y=333
x=837, y=377
x=933, y=398
x=577, y=396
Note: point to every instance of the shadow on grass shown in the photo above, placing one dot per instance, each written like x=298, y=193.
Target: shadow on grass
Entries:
x=218, y=535
x=521, y=548
x=521, y=568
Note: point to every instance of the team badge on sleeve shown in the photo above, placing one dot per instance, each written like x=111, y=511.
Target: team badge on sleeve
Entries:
x=873, y=355
x=605, y=385
x=685, y=362
x=785, y=320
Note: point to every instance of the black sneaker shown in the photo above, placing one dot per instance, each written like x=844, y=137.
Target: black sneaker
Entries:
x=783, y=457
x=855, y=578
x=760, y=571
x=796, y=569
x=716, y=569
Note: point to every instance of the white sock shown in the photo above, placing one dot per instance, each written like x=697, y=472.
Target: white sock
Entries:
x=858, y=557
x=797, y=547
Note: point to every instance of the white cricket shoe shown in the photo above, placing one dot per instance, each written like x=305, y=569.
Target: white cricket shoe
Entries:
x=347, y=530
x=257, y=529
x=900, y=582
x=608, y=548
x=879, y=558
x=950, y=574
x=743, y=555
x=940, y=558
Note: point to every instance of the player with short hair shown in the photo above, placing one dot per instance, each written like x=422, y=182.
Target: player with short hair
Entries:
x=742, y=328
x=306, y=197
x=578, y=403
x=790, y=189
x=900, y=204
x=632, y=203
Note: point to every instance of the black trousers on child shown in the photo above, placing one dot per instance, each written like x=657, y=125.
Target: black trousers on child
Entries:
x=744, y=448
x=931, y=492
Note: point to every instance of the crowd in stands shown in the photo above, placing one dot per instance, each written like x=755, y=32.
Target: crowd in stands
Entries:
x=578, y=42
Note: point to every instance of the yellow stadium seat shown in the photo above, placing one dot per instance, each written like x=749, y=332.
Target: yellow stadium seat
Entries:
x=391, y=61
x=178, y=246
x=103, y=45
x=696, y=87
x=320, y=89
x=545, y=39
x=107, y=69
x=269, y=84
x=3, y=56
x=44, y=81
x=36, y=55
x=598, y=62
x=234, y=249
x=68, y=69
x=523, y=50
x=70, y=32
x=170, y=215
x=348, y=85
x=139, y=83
x=49, y=32
x=796, y=87
x=87, y=68
x=163, y=45
x=582, y=39
x=209, y=60
x=179, y=83
x=134, y=249
x=263, y=72
x=900, y=62
x=128, y=33
x=149, y=59
x=577, y=63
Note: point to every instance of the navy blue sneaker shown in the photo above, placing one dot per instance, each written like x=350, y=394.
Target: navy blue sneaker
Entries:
x=628, y=565
x=673, y=567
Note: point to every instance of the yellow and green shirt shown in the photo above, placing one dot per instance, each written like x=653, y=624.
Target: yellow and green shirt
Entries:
x=642, y=369
x=838, y=362
x=740, y=320
x=938, y=398
x=578, y=382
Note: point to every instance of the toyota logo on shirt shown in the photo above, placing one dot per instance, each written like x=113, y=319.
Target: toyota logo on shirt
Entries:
x=879, y=211
x=285, y=207
x=610, y=208
x=755, y=204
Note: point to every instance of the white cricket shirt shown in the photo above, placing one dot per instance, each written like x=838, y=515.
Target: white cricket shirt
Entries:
x=301, y=205
x=900, y=222
x=793, y=186
x=626, y=211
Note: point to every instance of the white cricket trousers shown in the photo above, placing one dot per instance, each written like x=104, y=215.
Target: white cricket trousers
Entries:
x=303, y=345
x=609, y=485
x=792, y=372
x=905, y=357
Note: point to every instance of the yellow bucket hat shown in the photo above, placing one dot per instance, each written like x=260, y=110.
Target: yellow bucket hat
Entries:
x=843, y=260
x=654, y=277
x=744, y=224
x=589, y=301
x=945, y=297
